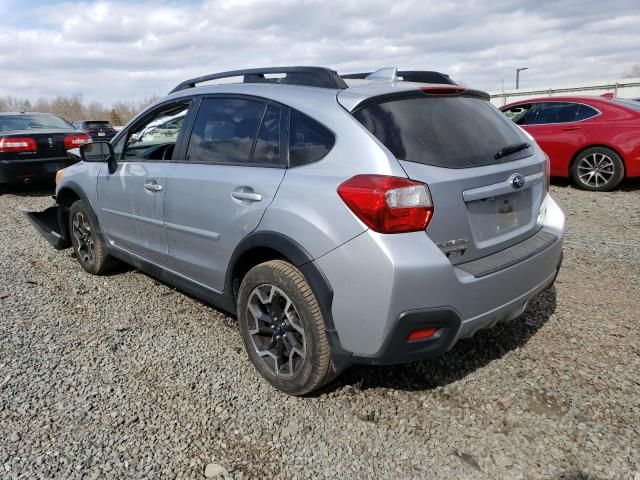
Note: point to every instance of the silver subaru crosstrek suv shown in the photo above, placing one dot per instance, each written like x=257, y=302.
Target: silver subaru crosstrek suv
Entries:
x=371, y=220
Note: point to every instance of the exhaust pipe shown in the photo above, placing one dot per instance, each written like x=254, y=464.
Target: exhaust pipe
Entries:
x=27, y=181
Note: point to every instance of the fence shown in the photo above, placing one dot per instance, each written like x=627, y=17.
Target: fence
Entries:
x=625, y=88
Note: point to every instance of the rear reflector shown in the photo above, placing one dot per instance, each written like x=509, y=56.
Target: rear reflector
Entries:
x=444, y=90
x=388, y=204
x=18, y=144
x=74, y=141
x=422, y=334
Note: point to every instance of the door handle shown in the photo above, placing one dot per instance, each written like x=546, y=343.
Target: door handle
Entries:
x=152, y=186
x=247, y=196
x=570, y=129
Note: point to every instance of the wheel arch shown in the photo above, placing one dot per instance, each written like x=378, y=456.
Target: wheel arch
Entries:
x=66, y=196
x=596, y=145
x=259, y=247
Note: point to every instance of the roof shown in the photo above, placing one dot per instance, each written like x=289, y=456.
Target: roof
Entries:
x=564, y=98
x=28, y=113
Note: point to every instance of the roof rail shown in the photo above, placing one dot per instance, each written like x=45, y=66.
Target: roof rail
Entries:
x=418, y=76
x=308, y=76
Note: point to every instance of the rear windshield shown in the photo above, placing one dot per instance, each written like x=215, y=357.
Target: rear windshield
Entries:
x=31, y=122
x=627, y=102
x=97, y=124
x=450, y=132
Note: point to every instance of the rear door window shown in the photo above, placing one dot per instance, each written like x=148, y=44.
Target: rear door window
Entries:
x=225, y=130
x=450, y=132
x=267, y=149
x=309, y=141
x=555, y=112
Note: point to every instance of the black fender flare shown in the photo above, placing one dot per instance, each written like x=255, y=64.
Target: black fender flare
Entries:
x=302, y=259
x=79, y=192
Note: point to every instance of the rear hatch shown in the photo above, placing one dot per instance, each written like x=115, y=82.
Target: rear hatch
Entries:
x=484, y=201
x=100, y=129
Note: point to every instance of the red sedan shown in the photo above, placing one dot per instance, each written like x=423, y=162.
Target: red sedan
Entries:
x=593, y=140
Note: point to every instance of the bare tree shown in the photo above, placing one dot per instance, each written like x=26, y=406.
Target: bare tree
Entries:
x=634, y=72
x=73, y=108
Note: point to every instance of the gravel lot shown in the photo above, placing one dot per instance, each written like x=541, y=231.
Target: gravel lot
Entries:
x=124, y=377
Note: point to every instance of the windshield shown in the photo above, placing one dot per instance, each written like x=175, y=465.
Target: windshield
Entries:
x=450, y=132
x=32, y=122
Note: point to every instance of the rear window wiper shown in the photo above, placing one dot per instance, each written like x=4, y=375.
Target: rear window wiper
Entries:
x=509, y=149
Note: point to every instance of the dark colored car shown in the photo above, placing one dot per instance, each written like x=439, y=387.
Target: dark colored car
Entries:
x=593, y=140
x=33, y=146
x=96, y=129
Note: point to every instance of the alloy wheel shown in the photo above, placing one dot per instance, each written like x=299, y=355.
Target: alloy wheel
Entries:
x=83, y=238
x=596, y=170
x=276, y=330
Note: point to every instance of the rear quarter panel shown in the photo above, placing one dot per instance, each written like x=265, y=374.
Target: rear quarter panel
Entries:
x=307, y=207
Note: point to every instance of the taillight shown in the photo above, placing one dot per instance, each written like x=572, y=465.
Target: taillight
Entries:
x=18, y=144
x=74, y=141
x=388, y=204
x=547, y=173
x=442, y=90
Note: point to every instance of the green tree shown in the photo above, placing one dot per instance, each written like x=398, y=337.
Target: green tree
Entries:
x=115, y=118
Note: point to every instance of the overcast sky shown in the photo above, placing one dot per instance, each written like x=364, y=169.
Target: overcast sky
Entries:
x=126, y=50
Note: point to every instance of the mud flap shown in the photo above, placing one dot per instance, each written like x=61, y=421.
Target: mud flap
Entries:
x=47, y=223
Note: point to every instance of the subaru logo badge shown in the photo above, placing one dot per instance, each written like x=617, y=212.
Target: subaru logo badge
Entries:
x=517, y=181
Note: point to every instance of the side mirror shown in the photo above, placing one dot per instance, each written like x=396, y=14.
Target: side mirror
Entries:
x=99, y=152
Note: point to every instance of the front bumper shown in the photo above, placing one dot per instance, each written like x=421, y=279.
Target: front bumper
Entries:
x=23, y=171
x=49, y=224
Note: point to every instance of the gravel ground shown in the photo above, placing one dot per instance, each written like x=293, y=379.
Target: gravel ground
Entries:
x=124, y=377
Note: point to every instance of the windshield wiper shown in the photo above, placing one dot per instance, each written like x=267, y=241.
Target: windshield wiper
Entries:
x=509, y=149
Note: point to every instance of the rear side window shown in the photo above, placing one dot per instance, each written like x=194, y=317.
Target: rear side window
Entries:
x=224, y=130
x=309, y=141
x=449, y=132
x=585, y=111
x=97, y=124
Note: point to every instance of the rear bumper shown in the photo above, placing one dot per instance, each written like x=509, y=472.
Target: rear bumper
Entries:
x=450, y=329
x=22, y=171
x=386, y=286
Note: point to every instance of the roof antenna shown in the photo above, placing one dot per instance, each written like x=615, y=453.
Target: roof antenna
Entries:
x=389, y=74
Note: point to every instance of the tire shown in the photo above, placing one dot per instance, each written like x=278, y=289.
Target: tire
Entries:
x=268, y=289
x=87, y=242
x=597, y=169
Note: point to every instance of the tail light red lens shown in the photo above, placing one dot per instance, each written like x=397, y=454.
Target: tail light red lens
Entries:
x=74, y=141
x=17, y=144
x=388, y=204
x=547, y=172
x=422, y=334
x=442, y=90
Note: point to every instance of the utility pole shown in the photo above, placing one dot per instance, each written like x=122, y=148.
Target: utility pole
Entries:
x=518, y=70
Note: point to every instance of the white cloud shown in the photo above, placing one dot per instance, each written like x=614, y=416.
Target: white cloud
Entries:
x=127, y=50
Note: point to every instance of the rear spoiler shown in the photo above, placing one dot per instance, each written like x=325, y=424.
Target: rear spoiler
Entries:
x=393, y=74
x=426, y=91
